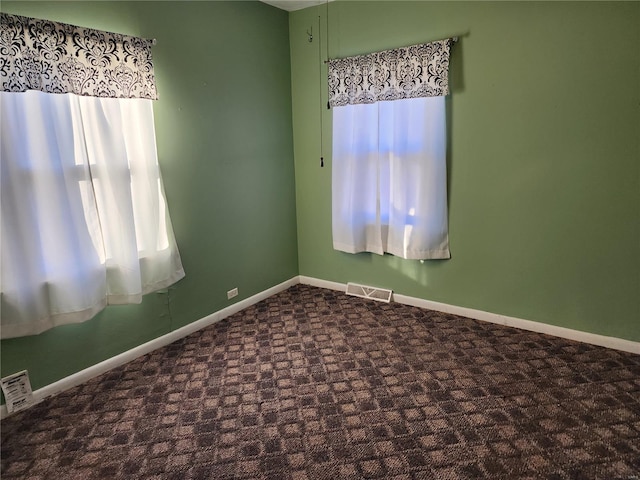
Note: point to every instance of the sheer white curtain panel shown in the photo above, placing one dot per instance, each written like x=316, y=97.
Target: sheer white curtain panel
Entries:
x=84, y=218
x=389, y=178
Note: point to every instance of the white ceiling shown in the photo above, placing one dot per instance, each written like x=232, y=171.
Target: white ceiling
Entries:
x=292, y=5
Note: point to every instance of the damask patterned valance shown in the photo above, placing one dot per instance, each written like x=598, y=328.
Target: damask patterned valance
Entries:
x=59, y=58
x=410, y=72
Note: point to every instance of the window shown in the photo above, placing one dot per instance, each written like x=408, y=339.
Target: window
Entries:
x=84, y=219
x=389, y=152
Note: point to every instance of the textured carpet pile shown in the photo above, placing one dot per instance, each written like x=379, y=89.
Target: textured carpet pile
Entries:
x=312, y=384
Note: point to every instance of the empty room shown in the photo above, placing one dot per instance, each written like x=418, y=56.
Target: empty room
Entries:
x=320, y=240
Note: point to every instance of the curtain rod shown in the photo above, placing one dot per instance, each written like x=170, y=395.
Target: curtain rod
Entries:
x=453, y=39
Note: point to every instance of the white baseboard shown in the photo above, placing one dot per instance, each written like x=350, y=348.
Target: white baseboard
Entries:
x=562, y=332
x=316, y=282
x=113, y=362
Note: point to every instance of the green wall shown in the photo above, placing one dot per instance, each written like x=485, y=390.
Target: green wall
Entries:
x=544, y=155
x=223, y=127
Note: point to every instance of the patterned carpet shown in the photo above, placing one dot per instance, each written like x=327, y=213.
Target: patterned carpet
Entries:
x=312, y=384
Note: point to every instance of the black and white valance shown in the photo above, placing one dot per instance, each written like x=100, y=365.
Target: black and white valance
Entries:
x=59, y=58
x=410, y=72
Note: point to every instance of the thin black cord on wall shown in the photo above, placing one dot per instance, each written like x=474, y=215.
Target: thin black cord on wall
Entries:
x=320, y=92
x=168, y=313
x=320, y=78
x=169, y=309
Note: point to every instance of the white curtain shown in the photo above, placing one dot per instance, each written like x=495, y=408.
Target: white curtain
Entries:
x=389, y=178
x=84, y=219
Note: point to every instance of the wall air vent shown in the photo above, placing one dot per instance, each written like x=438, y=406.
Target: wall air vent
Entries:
x=373, y=293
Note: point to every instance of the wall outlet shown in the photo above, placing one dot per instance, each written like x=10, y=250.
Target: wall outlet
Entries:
x=232, y=293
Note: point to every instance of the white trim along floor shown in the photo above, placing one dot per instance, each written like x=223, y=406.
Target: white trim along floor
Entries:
x=102, y=367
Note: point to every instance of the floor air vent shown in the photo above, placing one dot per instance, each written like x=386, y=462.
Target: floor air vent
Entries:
x=379, y=294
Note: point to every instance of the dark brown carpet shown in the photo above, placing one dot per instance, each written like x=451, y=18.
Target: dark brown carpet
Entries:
x=312, y=384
